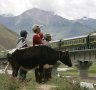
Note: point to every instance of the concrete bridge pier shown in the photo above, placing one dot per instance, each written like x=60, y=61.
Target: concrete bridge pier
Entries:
x=83, y=67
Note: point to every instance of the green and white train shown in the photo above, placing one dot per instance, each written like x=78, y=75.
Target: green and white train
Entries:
x=76, y=43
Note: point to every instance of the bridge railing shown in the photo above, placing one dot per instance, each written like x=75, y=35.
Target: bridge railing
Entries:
x=83, y=55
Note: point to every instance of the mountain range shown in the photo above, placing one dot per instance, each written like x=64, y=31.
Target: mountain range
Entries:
x=54, y=24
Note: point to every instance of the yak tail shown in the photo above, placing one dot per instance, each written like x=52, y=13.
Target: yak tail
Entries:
x=5, y=70
x=8, y=58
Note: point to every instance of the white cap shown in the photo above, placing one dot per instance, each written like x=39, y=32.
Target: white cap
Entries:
x=36, y=26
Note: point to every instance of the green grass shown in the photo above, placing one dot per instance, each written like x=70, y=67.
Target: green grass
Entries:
x=92, y=69
x=6, y=83
x=32, y=84
x=61, y=83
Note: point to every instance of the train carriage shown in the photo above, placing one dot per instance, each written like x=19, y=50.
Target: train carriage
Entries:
x=92, y=40
x=75, y=43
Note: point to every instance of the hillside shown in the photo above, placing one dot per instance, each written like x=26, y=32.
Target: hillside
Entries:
x=8, y=38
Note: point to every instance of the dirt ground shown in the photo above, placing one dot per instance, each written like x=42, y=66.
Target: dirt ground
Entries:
x=45, y=87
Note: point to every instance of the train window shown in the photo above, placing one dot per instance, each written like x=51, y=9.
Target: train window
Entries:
x=61, y=42
x=79, y=41
x=70, y=42
x=64, y=43
x=74, y=42
x=83, y=40
x=91, y=39
x=94, y=38
x=67, y=42
x=56, y=43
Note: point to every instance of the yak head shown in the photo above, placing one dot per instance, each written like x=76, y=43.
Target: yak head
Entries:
x=64, y=57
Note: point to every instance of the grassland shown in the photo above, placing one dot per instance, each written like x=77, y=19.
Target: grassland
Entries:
x=60, y=83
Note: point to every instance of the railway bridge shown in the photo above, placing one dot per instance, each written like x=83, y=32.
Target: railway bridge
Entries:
x=82, y=50
x=83, y=59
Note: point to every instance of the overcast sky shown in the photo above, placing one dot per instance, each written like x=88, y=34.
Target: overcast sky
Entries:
x=70, y=9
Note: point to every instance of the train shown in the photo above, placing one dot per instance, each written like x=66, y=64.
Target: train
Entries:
x=87, y=41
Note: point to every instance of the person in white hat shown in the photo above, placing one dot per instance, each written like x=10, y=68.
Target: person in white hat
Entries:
x=38, y=36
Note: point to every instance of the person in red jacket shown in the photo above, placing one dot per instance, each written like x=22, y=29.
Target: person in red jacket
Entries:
x=37, y=40
x=38, y=36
